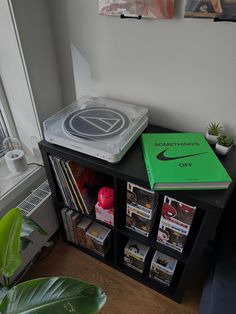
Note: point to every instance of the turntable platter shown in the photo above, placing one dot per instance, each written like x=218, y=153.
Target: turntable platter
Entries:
x=96, y=123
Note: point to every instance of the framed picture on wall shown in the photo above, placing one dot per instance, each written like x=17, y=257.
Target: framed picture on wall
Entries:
x=210, y=8
x=161, y=9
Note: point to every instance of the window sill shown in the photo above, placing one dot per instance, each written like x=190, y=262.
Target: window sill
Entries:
x=15, y=187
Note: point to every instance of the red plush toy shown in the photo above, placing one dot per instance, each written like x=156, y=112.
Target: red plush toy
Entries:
x=106, y=197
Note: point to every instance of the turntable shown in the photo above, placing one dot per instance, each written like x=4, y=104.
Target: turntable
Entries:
x=100, y=127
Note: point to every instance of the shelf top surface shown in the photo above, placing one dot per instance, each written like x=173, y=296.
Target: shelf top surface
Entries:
x=132, y=167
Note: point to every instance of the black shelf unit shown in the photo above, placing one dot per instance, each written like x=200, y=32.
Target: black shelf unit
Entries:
x=210, y=206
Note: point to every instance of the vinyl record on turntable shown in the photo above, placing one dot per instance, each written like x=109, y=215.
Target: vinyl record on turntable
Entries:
x=93, y=123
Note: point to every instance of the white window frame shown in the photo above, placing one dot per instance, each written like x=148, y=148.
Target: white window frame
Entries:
x=4, y=133
x=17, y=93
x=15, y=79
x=6, y=114
x=5, y=109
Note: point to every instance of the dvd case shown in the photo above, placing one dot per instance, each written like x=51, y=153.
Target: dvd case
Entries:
x=136, y=255
x=98, y=238
x=162, y=268
x=142, y=198
x=175, y=223
x=141, y=208
x=139, y=221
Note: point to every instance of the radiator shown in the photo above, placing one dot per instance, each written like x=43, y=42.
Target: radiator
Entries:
x=40, y=208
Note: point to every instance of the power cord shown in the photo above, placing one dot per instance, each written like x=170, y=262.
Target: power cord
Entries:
x=35, y=164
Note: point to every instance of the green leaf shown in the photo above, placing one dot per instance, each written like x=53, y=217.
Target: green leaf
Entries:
x=53, y=295
x=29, y=226
x=24, y=242
x=3, y=292
x=10, y=228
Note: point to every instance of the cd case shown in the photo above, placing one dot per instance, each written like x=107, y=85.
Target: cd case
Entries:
x=101, y=127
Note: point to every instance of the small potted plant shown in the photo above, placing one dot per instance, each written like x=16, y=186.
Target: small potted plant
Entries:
x=224, y=143
x=214, y=130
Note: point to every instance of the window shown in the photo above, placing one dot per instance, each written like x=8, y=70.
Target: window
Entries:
x=18, y=113
x=7, y=126
x=3, y=134
x=16, y=84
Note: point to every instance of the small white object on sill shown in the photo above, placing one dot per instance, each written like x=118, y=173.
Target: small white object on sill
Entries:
x=15, y=160
x=12, y=185
x=15, y=156
x=15, y=171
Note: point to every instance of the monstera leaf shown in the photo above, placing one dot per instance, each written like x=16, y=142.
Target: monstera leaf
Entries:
x=10, y=229
x=53, y=295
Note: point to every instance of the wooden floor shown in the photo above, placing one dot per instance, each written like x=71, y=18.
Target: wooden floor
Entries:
x=124, y=295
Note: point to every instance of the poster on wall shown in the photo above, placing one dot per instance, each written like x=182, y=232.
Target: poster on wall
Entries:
x=210, y=9
x=161, y=9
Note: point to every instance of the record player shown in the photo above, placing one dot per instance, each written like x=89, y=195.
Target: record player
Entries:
x=97, y=126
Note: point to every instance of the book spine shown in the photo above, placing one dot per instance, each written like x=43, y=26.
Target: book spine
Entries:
x=70, y=186
x=75, y=220
x=83, y=206
x=74, y=186
x=147, y=163
x=81, y=235
x=62, y=182
x=63, y=214
x=58, y=180
x=69, y=213
x=71, y=200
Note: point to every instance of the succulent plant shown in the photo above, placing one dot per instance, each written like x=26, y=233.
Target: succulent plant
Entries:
x=225, y=140
x=214, y=128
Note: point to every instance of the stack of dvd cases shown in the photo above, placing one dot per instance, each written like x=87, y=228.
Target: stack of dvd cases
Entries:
x=141, y=208
x=175, y=223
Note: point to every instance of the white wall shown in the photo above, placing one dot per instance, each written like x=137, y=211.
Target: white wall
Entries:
x=183, y=70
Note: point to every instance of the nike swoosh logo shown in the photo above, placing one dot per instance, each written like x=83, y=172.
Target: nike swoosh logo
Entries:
x=161, y=156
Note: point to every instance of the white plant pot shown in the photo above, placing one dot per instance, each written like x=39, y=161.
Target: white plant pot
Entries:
x=212, y=139
x=15, y=160
x=222, y=150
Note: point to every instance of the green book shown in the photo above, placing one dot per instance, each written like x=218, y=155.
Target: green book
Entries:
x=182, y=161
